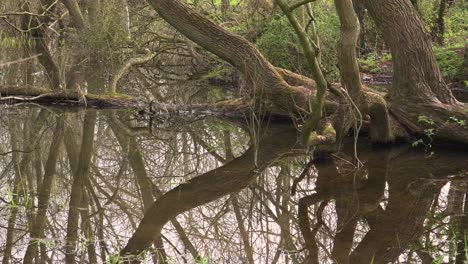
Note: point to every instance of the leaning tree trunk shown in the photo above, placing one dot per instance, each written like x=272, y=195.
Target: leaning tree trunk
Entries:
x=416, y=74
x=258, y=72
x=418, y=87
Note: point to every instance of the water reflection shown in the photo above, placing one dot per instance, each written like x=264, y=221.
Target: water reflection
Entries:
x=93, y=187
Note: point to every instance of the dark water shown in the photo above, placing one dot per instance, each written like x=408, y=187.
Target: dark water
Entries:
x=96, y=187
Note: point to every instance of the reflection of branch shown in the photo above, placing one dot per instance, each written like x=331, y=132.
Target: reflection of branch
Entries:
x=6, y=64
x=304, y=224
x=17, y=151
x=304, y=173
x=228, y=179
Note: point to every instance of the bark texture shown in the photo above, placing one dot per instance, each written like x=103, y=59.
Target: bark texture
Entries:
x=416, y=74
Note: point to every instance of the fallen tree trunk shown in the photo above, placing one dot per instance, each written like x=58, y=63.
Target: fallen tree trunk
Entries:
x=71, y=100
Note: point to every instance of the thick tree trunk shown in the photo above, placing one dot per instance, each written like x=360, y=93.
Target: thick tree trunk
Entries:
x=416, y=75
x=369, y=103
x=259, y=73
x=418, y=87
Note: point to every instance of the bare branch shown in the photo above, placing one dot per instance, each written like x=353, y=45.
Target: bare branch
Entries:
x=6, y=64
x=298, y=4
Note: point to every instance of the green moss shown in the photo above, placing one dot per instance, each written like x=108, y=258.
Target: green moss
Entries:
x=109, y=95
x=219, y=71
x=377, y=88
x=329, y=130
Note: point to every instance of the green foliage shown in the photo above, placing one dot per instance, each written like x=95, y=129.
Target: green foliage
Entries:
x=449, y=62
x=114, y=259
x=215, y=94
x=219, y=71
x=425, y=119
x=386, y=57
x=429, y=133
x=203, y=260
x=328, y=29
x=460, y=122
x=218, y=2
x=370, y=63
x=281, y=47
x=279, y=44
x=456, y=29
x=15, y=42
x=430, y=129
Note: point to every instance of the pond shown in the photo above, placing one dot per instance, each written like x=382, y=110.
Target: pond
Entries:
x=106, y=186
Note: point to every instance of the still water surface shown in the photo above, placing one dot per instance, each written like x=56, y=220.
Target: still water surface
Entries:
x=93, y=187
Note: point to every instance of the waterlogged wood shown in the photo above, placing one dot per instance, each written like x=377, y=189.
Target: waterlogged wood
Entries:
x=71, y=101
x=21, y=95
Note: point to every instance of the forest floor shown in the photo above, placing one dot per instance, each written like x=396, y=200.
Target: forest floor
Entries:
x=377, y=72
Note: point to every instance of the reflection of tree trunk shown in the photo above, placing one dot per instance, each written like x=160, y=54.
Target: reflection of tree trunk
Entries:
x=402, y=221
x=79, y=184
x=20, y=167
x=305, y=225
x=146, y=187
x=144, y=184
x=454, y=209
x=325, y=186
x=344, y=241
x=87, y=229
x=230, y=178
x=44, y=193
x=283, y=196
x=463, y=235
x=14, y=209
x=235, y=201
x=243, y=233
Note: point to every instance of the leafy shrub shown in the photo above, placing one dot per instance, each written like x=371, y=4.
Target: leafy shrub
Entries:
x=281, y=47
x=456, y=29
x=449, y=62
x=370, y=63
x=279, y=44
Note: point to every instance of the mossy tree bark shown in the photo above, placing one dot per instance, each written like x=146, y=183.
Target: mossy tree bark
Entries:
x=311, y=53
x=263, y=77
x=369, y=103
